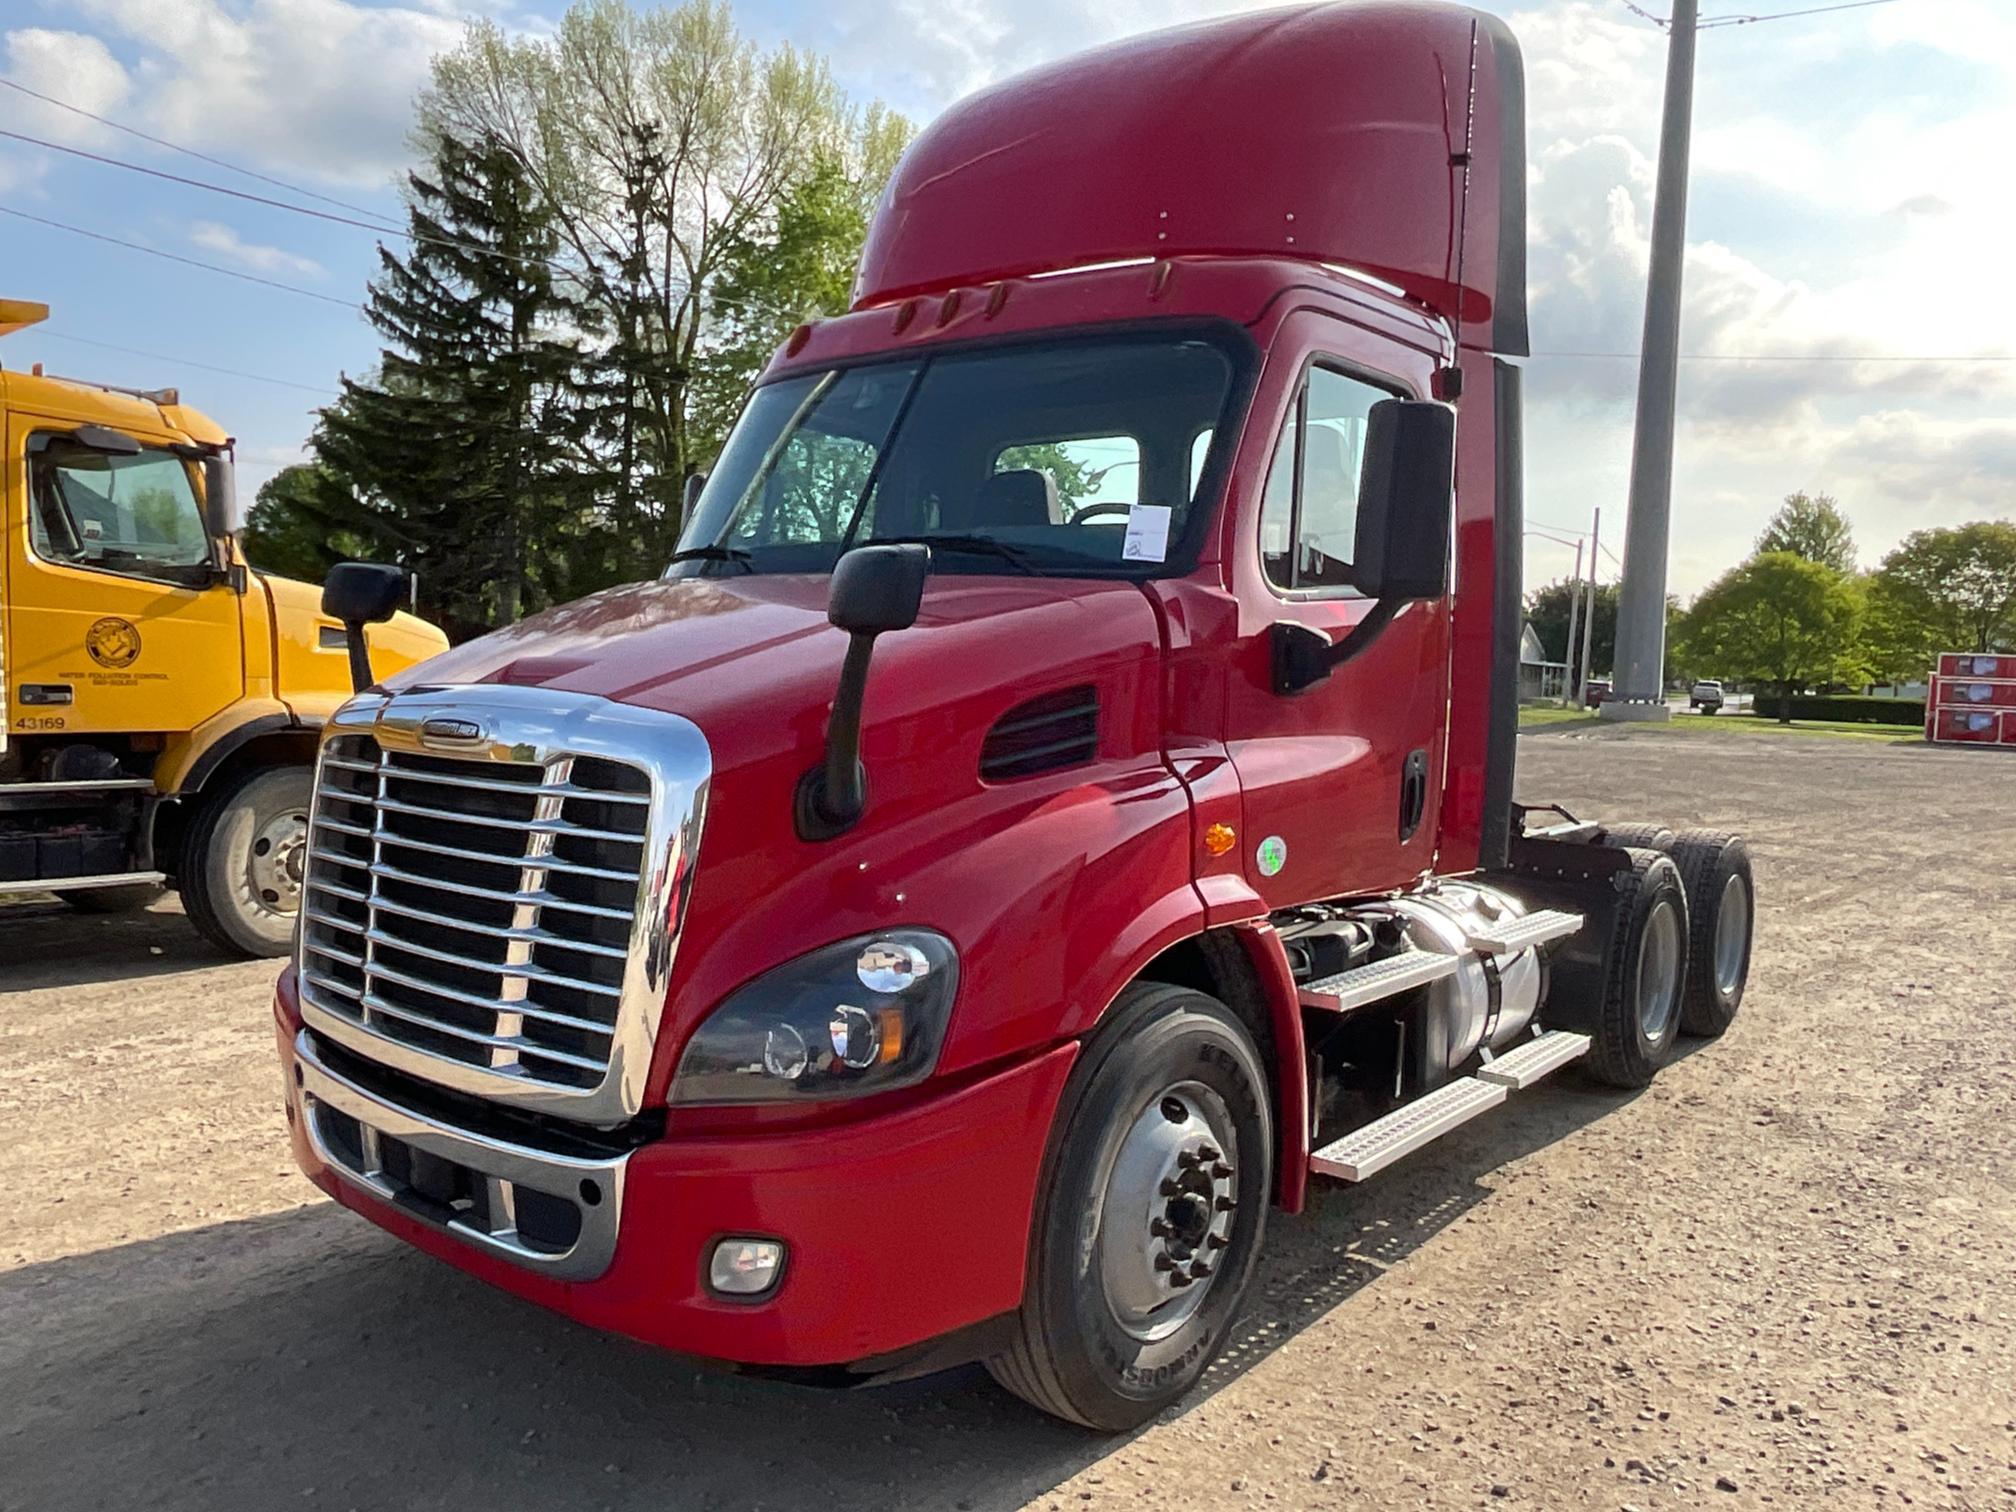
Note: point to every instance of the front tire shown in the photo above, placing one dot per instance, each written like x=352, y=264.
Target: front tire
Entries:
x=1646, y=980
x=242, y=862
x=1151, y=1215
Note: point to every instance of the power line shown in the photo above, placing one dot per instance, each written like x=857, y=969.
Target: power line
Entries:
x=177, y=257
x=189, y=362
x=203, y=157
x=322, y=215
x=1772, y=357
x=1819, y=10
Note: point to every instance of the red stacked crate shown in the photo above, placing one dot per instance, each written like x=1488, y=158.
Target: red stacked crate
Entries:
x=1972, y=699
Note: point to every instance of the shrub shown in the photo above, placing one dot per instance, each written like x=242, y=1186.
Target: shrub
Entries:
x=1846, y=708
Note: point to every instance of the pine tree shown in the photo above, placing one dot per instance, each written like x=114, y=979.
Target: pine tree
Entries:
x=467, y=457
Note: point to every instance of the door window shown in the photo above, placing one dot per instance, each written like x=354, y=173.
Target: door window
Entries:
x=136, y=515
x=1309, y=512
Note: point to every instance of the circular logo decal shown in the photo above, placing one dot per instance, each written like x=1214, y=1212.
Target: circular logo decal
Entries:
x=1272, y=855
x=113, y=643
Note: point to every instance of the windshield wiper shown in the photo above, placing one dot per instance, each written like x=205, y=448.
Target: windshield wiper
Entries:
x=733, y=554
x=972, y=545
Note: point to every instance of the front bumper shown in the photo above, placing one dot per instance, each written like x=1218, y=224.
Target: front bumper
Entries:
x=900, y=1229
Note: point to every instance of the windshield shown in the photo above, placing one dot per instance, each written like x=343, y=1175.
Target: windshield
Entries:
x=1080, y=458
x=135, y=515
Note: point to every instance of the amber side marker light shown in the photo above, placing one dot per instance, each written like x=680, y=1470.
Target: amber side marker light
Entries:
x=1219, y=839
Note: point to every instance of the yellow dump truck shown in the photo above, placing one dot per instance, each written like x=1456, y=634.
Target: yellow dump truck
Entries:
x=162, y=699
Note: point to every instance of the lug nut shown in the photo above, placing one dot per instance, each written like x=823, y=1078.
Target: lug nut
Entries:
x=1161, y=1228
x=1170, y=1187
x=1164, y=1263
x=1224, y=1204
x=1221, y=1171
x=1208, y=1151
x=1177, y=1278
x=1199, y=1269
x=1216, y=1242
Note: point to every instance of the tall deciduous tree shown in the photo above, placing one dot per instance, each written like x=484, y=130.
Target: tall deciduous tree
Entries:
x=1948, y=590
x=1811, y=526
x=674, y=156
x=1778, y=618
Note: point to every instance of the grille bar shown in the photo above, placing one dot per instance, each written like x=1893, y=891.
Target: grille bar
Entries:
x=499, y=917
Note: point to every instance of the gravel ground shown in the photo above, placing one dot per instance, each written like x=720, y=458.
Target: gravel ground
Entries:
x=1780, y=1276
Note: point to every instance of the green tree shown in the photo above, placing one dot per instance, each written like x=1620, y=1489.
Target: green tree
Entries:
x=676, y=158
x=460, y=458
x=1778, y=618
x=1811, y=526
x=305, y=521
x=1947, y=590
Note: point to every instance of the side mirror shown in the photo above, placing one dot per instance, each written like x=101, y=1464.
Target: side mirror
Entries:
x=878, y=588
x=360, y=594
x=690, y=499
x=1406, y=498
x=221, y=515
x=875, y=589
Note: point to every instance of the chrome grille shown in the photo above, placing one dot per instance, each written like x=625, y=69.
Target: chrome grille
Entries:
x=496, y=917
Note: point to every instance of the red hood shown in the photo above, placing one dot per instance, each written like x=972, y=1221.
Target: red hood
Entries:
x=757, y=652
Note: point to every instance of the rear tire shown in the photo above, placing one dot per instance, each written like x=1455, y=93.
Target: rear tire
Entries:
x=242, y=861
x=113, y=900
x=1638, y=836
x=1161, y=1163
x=1722, y=907
x=1638, y=1022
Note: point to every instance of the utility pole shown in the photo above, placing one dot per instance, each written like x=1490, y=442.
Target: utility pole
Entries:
x=1589, y=609
x=1638, y=689
x=1574, y=617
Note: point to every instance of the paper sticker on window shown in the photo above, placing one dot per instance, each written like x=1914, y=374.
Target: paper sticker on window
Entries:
x=1147, y=533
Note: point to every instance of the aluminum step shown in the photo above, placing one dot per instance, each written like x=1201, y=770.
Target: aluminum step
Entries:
x=1381, y=979
x=67, y=884
x=1376, y=1146
x=1535, y=928
x=1529, y=1062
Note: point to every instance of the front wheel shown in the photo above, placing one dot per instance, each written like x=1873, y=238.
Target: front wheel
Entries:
x=242, y=862
x=1152, y=1213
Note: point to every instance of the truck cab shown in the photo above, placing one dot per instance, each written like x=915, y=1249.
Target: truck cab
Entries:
x=1059, y=799
x=161, y=698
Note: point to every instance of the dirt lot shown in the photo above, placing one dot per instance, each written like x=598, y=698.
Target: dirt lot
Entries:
x=1786, y=1273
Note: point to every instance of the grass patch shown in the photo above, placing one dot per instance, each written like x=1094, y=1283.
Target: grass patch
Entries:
x=1735, y=723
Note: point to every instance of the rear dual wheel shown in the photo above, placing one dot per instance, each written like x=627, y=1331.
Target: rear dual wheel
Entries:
x=1151, y=1214
x=1644, y=987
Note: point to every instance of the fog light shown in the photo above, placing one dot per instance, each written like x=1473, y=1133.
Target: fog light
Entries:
x=745, y=1267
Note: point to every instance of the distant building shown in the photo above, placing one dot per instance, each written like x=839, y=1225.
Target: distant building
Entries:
x=1539, y=678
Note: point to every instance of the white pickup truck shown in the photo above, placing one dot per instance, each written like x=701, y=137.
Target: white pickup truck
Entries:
x=1706, y=696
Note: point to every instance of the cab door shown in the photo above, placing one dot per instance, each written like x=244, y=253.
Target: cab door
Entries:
x=119, y=616
x=1341, y=782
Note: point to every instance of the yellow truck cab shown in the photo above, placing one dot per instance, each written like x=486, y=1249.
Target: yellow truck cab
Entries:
x=162, y=699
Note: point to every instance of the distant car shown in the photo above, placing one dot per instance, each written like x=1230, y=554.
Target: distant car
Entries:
x=1597, y=690
x=1706, y=696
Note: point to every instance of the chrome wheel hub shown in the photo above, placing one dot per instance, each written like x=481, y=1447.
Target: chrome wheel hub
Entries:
x=1732, y=935
x=1659, y=958
x=1166, y=1217
x=279, y=854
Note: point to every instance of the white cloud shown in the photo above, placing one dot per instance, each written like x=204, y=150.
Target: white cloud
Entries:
x=221, y=239
x=68, y=66
x=320, y=89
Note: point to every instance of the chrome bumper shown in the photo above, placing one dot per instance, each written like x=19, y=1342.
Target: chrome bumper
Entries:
x=593, y=1188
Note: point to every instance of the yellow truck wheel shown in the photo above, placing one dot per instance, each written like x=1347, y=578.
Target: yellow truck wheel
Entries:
x=242, y=862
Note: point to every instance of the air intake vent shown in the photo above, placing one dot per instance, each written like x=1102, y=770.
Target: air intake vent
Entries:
x=1059, y=729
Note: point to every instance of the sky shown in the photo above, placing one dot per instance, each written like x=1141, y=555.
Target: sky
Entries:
x=1848, y=225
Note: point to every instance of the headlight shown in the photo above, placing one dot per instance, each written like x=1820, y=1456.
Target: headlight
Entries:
x=865, y=1015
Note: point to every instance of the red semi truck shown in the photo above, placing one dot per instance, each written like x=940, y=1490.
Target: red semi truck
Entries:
x=1060, y=798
